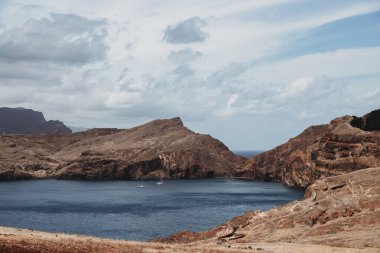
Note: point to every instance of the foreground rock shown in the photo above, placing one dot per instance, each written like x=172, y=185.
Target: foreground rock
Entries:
x=158, y=149
x=14, y=240
x=27, y=121
x=346, y=144
x=342, y=211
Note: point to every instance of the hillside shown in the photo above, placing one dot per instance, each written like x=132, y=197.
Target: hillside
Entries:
x=344, y=145
x=158, y=149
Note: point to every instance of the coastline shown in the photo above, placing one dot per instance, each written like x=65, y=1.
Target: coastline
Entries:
x=338, y=214
x=336, y=163
x=30, y=241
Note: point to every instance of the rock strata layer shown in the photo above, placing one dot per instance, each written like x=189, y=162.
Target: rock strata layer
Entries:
x=346, y=144
x=341, y=211
x=27, y=121
x=158, y=149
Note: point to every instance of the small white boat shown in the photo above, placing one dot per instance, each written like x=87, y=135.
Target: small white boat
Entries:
x=160, y=182
x=141, y=185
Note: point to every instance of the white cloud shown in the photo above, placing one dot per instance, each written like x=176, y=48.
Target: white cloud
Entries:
x=186, y=31
x=184, y=56
x=229, y=108
x=122, y=99
x=338, y=64
x=82, y=65
x=296, y=88
x=307, y=115
x=65, y=38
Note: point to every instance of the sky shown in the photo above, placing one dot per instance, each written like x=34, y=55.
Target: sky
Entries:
x=250, y=73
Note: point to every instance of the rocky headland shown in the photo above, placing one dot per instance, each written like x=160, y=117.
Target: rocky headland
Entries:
x=344, y=145
x=340, y=211
x=158, y=149
x=27, y=121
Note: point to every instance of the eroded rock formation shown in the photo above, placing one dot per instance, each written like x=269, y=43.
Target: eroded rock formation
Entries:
x=27, y=121
x=339, y=211
x=346, y=144
x=158, y=149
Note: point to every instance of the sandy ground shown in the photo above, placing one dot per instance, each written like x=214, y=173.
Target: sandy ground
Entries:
x=13, y=240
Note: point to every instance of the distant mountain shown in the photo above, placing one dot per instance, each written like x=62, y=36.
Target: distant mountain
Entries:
x=27, y=121
x=347, y=144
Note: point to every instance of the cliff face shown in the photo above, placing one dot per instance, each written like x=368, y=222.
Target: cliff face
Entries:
x=161, y=148
x=341, y=211
x=346, y=144
x=27, y=121
x=369, y=122
x=158, y=149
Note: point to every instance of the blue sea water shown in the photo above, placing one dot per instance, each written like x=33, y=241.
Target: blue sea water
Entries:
x=248, y=153
x=119, y=209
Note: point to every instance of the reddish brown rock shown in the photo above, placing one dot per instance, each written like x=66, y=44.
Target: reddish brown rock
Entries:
x=158, y=149
x=28, y=156
x=346, y=144
x=339, y=211
x=161, y=148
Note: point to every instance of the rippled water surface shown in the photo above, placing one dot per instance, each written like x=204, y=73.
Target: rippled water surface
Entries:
x=119, y=209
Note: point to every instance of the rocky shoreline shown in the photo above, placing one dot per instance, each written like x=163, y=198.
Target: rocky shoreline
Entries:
x=338, y=214
x=341, y=211
x=167, y=149
x=158, y=149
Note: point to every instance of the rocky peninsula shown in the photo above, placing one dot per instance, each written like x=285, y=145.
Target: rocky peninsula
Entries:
x=158, y=149
x=344, y=145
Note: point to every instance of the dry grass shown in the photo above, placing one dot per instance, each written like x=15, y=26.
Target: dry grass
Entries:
x=14, y=240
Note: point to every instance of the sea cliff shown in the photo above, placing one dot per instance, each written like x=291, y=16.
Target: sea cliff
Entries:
x=158, y=149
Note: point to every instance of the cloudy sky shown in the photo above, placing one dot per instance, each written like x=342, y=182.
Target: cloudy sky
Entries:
x=250, y=73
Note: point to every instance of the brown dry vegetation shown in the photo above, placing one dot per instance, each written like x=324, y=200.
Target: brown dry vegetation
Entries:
x=14, y=240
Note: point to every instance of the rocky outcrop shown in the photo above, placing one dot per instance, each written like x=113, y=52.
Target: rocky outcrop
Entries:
x=158, y=149
x=339, y=211
x=27, y=121
x=346, y=144
x=369, y=122
x=161, y=148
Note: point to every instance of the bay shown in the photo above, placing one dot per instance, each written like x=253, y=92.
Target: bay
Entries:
x=121, y=210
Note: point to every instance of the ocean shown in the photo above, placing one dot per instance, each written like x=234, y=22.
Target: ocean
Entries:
x=119, y=209
x=247, y=153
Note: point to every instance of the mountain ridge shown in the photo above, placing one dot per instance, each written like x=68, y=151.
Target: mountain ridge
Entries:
x=157, y=149
x=27, y=121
